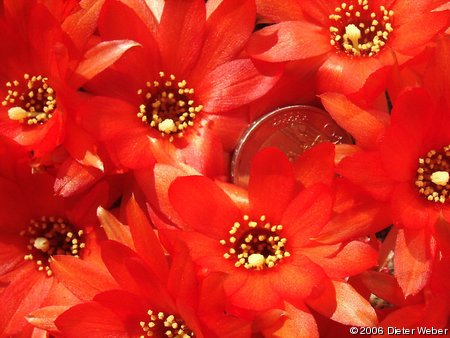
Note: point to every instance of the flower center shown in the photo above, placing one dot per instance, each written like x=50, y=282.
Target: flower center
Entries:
x=433, y=175
x=162, y=325
x=51, y=236
x=357, y=30
x=31, y=101
x=168, y=106
x=256, y=245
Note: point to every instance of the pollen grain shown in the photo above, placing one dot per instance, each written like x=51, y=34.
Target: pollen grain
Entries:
x=168, y=106
x=433, y=175
x=255, y=244
x=358, y=30
x=31, y=101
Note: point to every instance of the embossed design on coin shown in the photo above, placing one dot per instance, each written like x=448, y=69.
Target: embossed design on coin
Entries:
x=292, y=129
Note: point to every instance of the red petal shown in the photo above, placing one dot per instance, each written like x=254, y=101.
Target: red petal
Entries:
x=82, y=146
x=95, y=279
x=11, y=251
x=410, y=36
x=45, y=39
x=13, y=215
x=100, y=57
x=45, y=317
x=25, y=294
x=365, y=126
x=344, y=305
x=316, y=165
x=411, y=210
x=298, y=75
x=80, y=26
x=237, y=194
x=114, y=122
x=107, y=118
x=204, y=152
x=414, y=253
x=73, y=177
x=205, y=251
x=272, y=184
x=384, y=286
x=402, y=9
x=203, y=205
x=182, y=21
x=307, y=214
x=409, y=135
x=155, y=185
x=132, y=20
x=443, y=234
x=356, y=222
x=252, y=290
x=123, y=304
x=84, y=210
x=344, y=74
x=145, y=240
x=438, y=71
x=298, y=323
x=406, y=317
x=115, y=256
x=114, y=229
x=182, y=269
x=289, y=40
x=297, y=278
x=227, y=30
x=228, y=128
x=147, y=285
x=319, y=10
x=148, y=12
x=93, y=320
x=352, y=259
x=41, y=139
x=236, y=83
x=366, y=170
x=131, y=273
x=276, y=11
x=412, y=113
x=400, y=154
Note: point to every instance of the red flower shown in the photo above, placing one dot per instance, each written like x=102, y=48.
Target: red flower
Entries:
x=155, y=298
x=357, y=38
x=429, y=308
x=408, y=166
x=35, y=228
x=44, y=63
x=190, y=66
x=268, y=250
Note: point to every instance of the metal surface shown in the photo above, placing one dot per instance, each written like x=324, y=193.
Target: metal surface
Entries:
x=292, y=129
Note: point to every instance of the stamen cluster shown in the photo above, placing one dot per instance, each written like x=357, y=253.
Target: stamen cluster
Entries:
x=162, y=325
x=255, y=245
x=168, y=106
x=433, y=175
x=357, y=30
x=32, y=101
x=51, y=236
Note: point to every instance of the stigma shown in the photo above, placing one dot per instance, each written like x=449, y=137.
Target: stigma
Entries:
x=433, y=175
x=31, y=101
x=255, y=244
x=168, y=106
x=359, y=30
x=50, y=236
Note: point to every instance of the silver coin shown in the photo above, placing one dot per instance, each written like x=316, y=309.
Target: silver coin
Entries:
x=292, y=129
